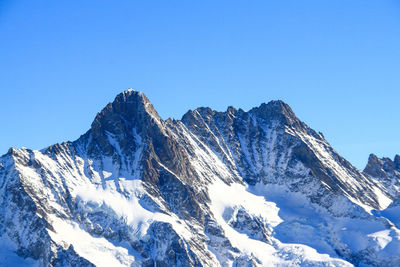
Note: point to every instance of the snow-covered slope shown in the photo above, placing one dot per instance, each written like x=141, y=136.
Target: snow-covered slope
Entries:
x=234, y=188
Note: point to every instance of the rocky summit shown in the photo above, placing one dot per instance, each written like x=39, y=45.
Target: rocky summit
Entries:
x=233, y=188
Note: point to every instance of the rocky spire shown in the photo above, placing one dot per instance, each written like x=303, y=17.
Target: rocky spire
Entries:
x=374, y=167
x=382, y=167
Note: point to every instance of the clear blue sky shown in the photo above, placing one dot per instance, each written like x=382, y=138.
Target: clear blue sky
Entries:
x=336, y=63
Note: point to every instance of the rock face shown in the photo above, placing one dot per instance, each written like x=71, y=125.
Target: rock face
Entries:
x=234, y=188
x=386, y=171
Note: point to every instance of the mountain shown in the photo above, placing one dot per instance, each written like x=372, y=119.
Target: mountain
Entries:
x=386, y=171
x=233, y=188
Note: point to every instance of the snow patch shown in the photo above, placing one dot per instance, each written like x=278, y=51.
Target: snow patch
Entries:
x=97, y=250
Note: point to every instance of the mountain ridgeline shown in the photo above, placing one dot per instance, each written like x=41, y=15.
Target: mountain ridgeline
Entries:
x=233, y=188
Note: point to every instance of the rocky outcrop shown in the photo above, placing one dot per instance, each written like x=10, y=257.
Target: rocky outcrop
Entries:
x=386, y=171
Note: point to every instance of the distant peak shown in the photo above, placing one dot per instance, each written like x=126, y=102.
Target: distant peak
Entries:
x=131, y=96
x=276, y=106
x=129, y=90
x=276, y=110
x=231, y=109
x=279, y=105
x=11, y=151
x=377, y=167
x=372, y=156
x=397, y=161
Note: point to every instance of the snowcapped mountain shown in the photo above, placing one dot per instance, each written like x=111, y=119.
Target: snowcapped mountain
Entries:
x=234, y=188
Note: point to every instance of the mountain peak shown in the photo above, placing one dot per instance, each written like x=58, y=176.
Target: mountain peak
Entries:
x=128, y=99
x=127, y=107
x=380, y=167
x=129, y=114
x=131, y=95
x=372, y=157
x=276, y=110
x=397, y=161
